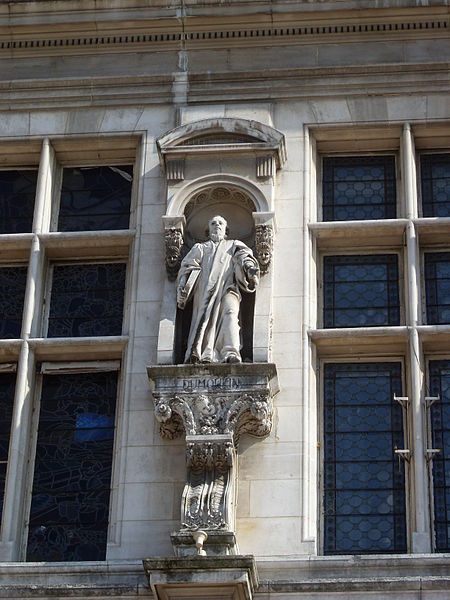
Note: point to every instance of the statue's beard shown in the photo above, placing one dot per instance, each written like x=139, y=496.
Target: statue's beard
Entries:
x=216, y=237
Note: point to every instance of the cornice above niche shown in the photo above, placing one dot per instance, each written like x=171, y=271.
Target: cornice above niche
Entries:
x=224, y=136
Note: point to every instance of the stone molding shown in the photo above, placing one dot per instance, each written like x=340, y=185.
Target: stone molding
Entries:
x=193, y=32
x=225, y=577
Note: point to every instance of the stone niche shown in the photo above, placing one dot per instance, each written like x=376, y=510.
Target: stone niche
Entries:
x=226, y=167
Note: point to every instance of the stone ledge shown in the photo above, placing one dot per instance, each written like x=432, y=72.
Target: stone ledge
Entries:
x=224, y=577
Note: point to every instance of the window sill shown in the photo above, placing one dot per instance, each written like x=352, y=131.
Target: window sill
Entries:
x=360, y=341
x=15, y=246
x=81, y=244
x=88, y=348
x=359, y=234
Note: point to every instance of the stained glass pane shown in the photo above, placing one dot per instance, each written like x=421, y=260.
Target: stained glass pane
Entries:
x=437, y=287
x=440, y=426
x=364, y=485
x=12, y=292
x=95, y=198
x=359, y=188
x=72, y=478
x=87, y=300
x=435, y=179
x=17, y=192
x=7, y=386
x=361, y=291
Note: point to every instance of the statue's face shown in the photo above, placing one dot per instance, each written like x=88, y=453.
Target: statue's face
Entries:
x=217, y=227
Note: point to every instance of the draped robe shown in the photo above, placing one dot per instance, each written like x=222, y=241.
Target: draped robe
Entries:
x=214, y=334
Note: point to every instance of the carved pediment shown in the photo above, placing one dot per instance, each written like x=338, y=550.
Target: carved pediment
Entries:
x=224, y=135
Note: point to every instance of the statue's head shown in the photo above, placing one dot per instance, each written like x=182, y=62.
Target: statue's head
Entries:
x=217, y=228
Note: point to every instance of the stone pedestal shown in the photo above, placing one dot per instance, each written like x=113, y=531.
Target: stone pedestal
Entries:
x=224, y=578
x=213, y=405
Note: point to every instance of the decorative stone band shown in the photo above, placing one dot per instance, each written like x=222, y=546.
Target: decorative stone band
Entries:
x=214, y=404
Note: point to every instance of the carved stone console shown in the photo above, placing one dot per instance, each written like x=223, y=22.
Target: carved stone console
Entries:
x=214, y=405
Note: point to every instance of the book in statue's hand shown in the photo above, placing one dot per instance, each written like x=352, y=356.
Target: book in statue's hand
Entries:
x=188, y=287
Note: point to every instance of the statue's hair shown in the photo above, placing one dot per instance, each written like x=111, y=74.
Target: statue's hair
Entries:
x=220, y=216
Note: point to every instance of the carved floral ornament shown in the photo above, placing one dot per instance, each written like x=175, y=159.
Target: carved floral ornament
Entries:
x=208, y=414
x=214, y=405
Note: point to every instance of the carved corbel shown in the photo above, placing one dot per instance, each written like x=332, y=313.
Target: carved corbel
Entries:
x=173, y=238
x=264, y=234
x=215, y=405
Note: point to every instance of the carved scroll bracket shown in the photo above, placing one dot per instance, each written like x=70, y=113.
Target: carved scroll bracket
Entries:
x=214, y=404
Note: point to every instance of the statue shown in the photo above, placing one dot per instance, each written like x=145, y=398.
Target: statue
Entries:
x=212, y=274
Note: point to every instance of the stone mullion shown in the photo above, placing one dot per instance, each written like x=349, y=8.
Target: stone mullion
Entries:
x=16, y=500
x=421, y=537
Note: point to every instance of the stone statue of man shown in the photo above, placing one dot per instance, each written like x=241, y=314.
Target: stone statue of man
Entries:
x=212, y=274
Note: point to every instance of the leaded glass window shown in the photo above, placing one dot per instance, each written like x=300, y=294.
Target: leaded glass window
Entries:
x=437, y=287
x=440, y=426
x=12, y=292
x=17, y=192
x=87, y=300
x=359, y=188
x=72, y=475
x=95, y=198
x=7, y=385
x=361, y=290
x=435, y=179
x=364, y=484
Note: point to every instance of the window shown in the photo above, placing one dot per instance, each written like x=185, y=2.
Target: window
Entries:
x=72, y=474
x=17, y=192
x=87, y=300
x=437, y=287
x=95, y=198
x=7, y=385
x=377, y=482
x=364, y=484
x=65, y=248
x=12, y=291
x=361, y=290
x=435, y=179
x=440, y=427
x=358, y=188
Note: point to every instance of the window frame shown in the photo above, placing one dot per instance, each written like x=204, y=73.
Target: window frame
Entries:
x=56, y=196
x=355, y=154
x=407, y=431
x=418, y=158
x=71, y=367
x=352, y=251
x=439, y=249
x=81, y=261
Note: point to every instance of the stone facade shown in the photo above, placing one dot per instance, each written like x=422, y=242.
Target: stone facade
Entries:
x=229, y=105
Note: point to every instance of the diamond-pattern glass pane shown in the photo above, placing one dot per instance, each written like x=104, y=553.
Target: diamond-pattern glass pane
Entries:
x=361, y=291
x=359, y=188
x=435, y=179
x=7, y=386
x=72, y=477
x=95, y=198
x=17, y=192
x=437, y=287
x=364, y=485
x=87, y=300
x=12, y=292
x=440, y=426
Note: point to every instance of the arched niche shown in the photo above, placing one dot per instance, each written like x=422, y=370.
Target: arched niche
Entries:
x=204, y=179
